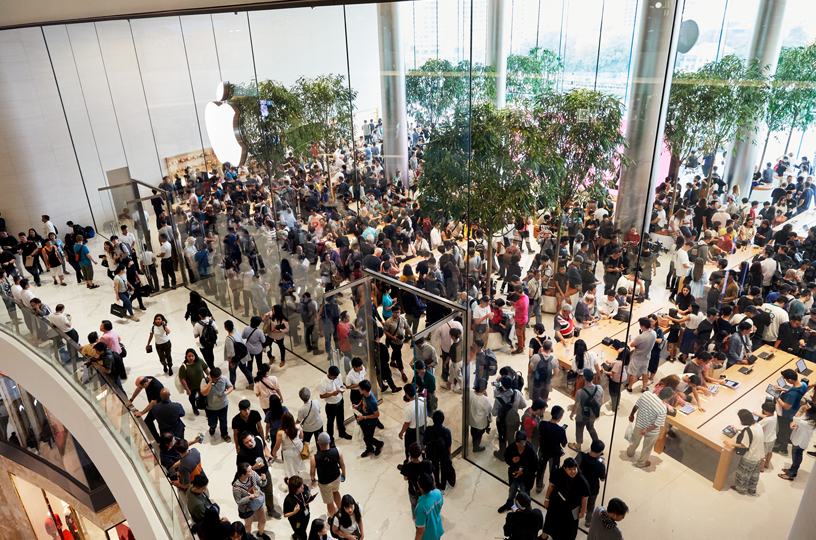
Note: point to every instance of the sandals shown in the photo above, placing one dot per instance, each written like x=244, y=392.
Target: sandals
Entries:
x=573, y=446
x=786, y=477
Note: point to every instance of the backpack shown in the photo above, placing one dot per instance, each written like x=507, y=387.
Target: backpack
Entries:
x=592, y=407
x=305, y=309
x=435, y=449
x=118, y=365
x=426, y=226
x=507, y=409
x=694, y=252
x=492, y=366
x=542, y=372
x=208, y=336
x=241, y=350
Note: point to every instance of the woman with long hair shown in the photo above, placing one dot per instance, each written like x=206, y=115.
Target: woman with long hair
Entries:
x=161, y=333
x=193, y=308
x=247, y=492
x=697, y=279
x=763, y=233
x=289, y=441
x=348, y=521
x=684, y=300
x=296, y=507
x=276, y=327
x=319, y=530
x=581, y=360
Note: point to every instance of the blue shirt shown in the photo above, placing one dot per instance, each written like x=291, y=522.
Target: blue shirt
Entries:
x=83, y=253
x=429, y=515
x=367, y=407
x=793, y=397
x=387, y=302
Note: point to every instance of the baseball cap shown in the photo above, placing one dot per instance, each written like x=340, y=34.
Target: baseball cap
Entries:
x=521, y=436
x=751, y=309
x=323, y=438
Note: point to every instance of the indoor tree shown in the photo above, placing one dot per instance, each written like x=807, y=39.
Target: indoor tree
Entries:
x=530, y=74
x=327, y=103
x=793, y=93
x=584, y=128
x=734, y=93
x=485, y=166
x=267, y=130
x=432, y=90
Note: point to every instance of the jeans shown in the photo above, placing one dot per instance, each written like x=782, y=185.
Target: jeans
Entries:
x=414, y=500
x=309, y=329
x=126, y=302
x=516, y=486
x=396, y=355
x=649, y=441
x=796, y=455
x=233, y=372
x=282, y=350
x=476, y=435
x=535, y=309
x=168, y=274
x=216, y=417
x=334, y=413
x=543, y=461
x=35, y=272
x=192, y=397
x=75, y=265
x=371, y=442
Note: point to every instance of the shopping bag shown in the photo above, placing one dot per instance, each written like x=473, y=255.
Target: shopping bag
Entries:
x=118, y=311
x=630, y=432
x=357, y=434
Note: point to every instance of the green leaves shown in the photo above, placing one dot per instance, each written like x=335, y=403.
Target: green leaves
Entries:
x=432, y=90
x=531, y=74
x=793, y=90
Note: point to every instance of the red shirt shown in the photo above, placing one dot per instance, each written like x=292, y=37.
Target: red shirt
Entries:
x=343, y=336
x=521, y=306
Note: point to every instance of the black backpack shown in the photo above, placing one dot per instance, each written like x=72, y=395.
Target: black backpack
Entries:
x=208, y=335
x=592, y=407
x=241, y=350
x=542, y=372
x=435, y=449
x=492, y=363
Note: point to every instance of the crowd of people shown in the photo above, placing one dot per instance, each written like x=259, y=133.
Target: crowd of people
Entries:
x=276, y=247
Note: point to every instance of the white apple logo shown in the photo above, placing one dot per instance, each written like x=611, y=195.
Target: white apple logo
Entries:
x=223, y=128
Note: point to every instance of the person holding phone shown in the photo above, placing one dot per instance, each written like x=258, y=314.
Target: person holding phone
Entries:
x=161, y=334
x=296, y=507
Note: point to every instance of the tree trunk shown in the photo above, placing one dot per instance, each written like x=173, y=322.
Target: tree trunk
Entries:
x=489, y=254
x=793, y=124
x=674, y=166
x=764, y=149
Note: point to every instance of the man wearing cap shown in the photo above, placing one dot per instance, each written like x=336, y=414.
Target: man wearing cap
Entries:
x=328, y=463
x=522, y=465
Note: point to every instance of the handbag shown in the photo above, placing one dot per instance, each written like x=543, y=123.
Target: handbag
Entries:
x=337, y=279
x=742, y=451
x=118, y=311
x=123, y=354
x=305, y=453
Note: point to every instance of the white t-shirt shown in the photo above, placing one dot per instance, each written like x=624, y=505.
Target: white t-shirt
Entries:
x=410, y=415
x=778, y=316
x=200, y=328
x=60, y=320
x=600, y=213
x=591, y=361
x=327, y=386
x=801, y=435
x=353, y=377
x=661, y=218
x=769, y=427
x=159, y=334
x=26, y=296
x=351, y=529
x=680, y=259
x=166, y=251
x=756, y=450
x=479, y=312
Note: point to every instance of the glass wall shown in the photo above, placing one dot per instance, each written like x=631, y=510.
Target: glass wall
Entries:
x=305, y=149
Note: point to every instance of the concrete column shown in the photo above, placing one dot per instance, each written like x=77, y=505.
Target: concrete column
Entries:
x=652, y=66
x=805, y=521
x=498, y=37
x=766, y=45
x=392, y=73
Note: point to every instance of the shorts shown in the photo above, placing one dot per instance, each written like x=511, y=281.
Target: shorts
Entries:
x=87, y=272
x=637, y=368
x=56, y=271
x=673, y=348
x=769, y=446
x=245, y=515
x=328, y=490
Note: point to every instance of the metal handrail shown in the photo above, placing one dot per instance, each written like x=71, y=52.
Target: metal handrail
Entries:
x=73, y=379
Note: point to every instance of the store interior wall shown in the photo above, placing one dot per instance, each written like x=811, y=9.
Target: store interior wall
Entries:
x=14, y=524
x=39, y=172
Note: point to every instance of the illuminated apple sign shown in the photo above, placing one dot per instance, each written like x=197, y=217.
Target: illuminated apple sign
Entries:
x=222, y=120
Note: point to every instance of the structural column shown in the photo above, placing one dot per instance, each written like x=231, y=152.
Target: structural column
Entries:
x=652, y=66
x=498, y=35
x=392, y=73
x=766, y=45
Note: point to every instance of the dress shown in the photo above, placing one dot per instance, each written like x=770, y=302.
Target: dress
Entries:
x=290, y=452
x=559, y=522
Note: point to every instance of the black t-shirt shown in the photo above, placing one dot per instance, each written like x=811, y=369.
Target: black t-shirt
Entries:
x=704, y=330
x=412, y=471
x=562, y=280
x=251, y=455
x=553, y=438
x=153, y=390
x=536, y=343
x=327, y=465
x=593, y=470
x=302, y=515
x=250, y=424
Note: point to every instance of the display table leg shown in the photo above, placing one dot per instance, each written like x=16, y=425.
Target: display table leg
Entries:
x=722, y=469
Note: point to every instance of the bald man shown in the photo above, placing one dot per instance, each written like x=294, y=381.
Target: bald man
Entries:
x=152, y=388
x=168, y=414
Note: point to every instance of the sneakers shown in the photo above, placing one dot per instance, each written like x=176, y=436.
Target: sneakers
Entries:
x=503, y=508
x=811, y=454
x=378, y=451
x=170, y=371
x=226, y=438
x=366, y=453
x=212, y=431
x=274, y=514
x=345, y=436
x=479, y=449
x=517, y=351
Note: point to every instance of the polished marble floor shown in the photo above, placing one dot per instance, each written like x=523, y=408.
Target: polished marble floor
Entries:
x=671, y=499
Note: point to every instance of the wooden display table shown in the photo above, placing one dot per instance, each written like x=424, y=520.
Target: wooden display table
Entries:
x=721, y=408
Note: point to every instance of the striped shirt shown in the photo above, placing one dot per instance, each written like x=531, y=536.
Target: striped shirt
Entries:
x=651, y=411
